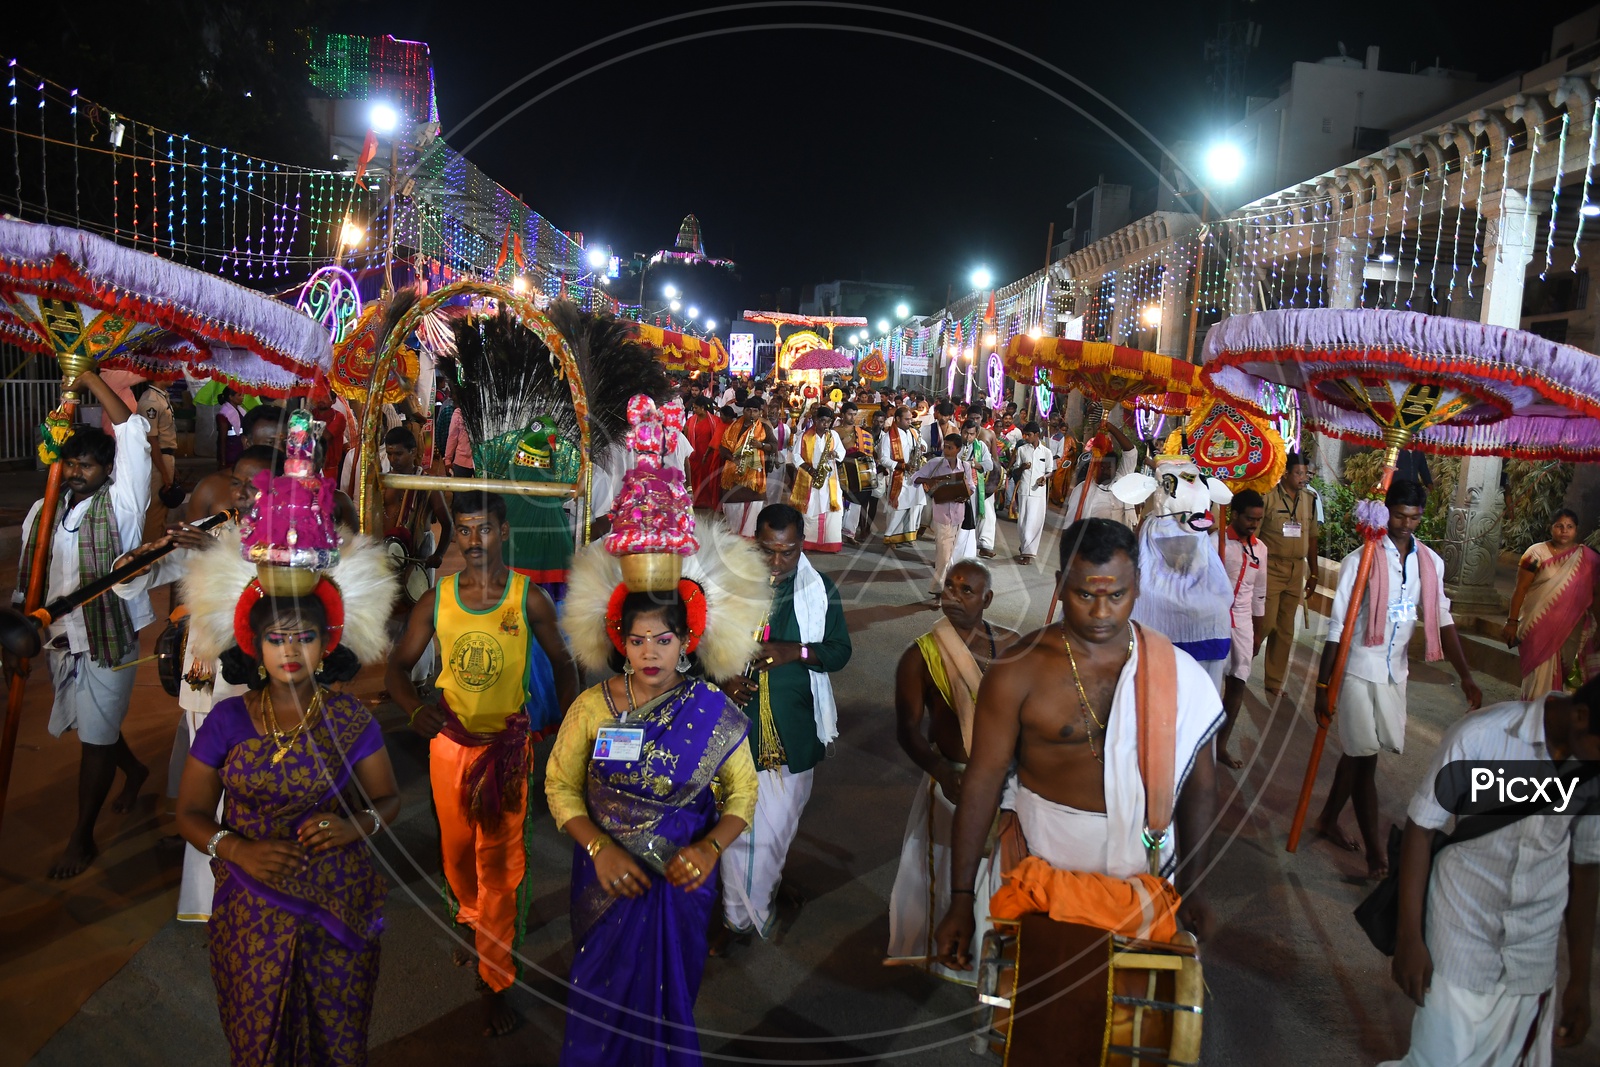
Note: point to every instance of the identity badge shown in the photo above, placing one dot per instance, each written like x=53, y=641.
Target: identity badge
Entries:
x=623, y=743
x=1402, y=611
x=1291, y=529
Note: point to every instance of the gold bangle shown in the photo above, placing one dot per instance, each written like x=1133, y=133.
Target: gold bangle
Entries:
x=1322, y=685
x=716, y=846
x=412, y=721
x=596, y=844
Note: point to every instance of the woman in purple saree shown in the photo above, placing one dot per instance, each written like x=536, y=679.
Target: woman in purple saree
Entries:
x=635, y=778
x=298, y=906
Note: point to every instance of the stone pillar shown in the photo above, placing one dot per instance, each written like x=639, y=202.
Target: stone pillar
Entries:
x=1177, y=285
x=1471, y=548
x=1344, y=258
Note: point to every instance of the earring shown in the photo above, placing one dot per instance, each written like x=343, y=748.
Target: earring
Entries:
x=683, y=663
x=627, y=668
x=263, y=671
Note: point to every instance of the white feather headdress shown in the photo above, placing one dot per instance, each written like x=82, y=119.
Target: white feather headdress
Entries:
x=217, y=575
x=728, y=568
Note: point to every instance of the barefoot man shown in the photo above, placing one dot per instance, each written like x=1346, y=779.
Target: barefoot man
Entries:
x=937, y=681
x=1407, y=582
x=1066, y=711
x=505, y=680
x=107, y=481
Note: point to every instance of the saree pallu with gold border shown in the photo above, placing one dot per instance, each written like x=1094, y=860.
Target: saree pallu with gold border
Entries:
x=638, y=962
x=296, y=963
x=1558, y=604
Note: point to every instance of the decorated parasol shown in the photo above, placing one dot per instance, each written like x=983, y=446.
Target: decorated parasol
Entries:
x=872, y=368
x=821, y=359
x=1111, y=374
x=1403, y=379
x=354, y=357
x=88, y=301
x=682, y=352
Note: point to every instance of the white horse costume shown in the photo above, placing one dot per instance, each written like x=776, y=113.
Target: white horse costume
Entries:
x=1184, y=591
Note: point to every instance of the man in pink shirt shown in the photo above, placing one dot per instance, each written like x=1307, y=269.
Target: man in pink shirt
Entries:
x=458, y=447
x=1245, y=557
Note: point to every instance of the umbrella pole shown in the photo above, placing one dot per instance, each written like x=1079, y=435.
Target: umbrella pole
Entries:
x=1369, y=552
x=46, y=520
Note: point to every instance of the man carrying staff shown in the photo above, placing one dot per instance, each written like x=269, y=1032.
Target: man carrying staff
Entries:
x=1032, y=469
x=816, y=458
x=937, y=680
x=1289, y=530
x=504, y=681
x=746, y=445
x=1081, y=799
x=1407, y=583
x=1092, y=498
x=789, y=700
x=899, y=456
x=106, y=477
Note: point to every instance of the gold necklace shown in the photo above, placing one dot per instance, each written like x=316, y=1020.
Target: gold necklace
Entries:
x=1083, y=698
x=284, y=742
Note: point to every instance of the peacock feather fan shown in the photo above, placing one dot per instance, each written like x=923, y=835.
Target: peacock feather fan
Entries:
x=507, y=377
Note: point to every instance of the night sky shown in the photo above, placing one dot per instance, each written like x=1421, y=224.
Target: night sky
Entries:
x=811, y=153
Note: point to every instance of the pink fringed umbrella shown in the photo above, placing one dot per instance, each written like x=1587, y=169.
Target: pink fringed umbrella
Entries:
x=86, y=301
x=1400, y=378
x=822, y=359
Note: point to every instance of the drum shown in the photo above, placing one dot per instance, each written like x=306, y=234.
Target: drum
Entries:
x=860, y=474
x=1043, y=985
x=409, y=572
x=949, y=493
x=1060, y=485
x=170, y=648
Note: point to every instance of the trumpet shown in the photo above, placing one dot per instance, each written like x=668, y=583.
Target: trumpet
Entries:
x=749, y=455
x=918, y=448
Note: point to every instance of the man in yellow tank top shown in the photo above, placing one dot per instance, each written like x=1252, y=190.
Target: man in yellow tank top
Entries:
x=505, y=680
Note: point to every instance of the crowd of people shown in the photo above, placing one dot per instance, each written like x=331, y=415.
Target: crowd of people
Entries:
x=687, y=735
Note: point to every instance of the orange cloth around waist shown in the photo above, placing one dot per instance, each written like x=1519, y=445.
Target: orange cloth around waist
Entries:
x=1114, y=904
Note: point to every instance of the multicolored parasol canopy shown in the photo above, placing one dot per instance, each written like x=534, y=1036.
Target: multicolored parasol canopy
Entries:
x=821, y=359
x=354, y=357
x=1445, y=385
x=680, y=351
x=73, y=294
x=1236, y=446
x=1109, y=373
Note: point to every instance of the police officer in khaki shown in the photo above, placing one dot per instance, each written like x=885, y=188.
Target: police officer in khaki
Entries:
x=1290, y=530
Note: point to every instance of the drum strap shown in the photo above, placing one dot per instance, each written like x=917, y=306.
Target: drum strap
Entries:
x=1156, y=696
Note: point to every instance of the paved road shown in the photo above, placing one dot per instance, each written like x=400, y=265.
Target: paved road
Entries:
x=1291, y=978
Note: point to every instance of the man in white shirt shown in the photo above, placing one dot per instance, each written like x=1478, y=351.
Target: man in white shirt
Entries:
x=1244, y=557
x=1092, y=498
x=900, y=454
x=1032, y=467
x=1407, y=583
x=101, y=515
x=1475, y=944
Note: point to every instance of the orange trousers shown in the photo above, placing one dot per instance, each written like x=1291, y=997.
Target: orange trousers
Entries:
x=484, y=869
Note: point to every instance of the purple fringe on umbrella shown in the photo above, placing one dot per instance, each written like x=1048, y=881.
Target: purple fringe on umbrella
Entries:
x=1551, y=390
x=1372, y=517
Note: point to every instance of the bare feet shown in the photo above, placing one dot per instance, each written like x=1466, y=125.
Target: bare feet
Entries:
x=498, y=1017
x=1377, y=866
x=719, y=940
x=1228, y=759
x=75, y=860
x=128, y=799
x=461, y=955
x=1273, y=694
x=1340, y=839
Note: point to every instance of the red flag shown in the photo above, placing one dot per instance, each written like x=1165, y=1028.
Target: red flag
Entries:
x=369, y=149
x=517, y=251
x=505, y=251
x=988, y=315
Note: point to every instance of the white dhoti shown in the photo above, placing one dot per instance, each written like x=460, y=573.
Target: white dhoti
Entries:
x=902, y=525
x=823, y=531
x=1030, y=523
x=1456, y=1027
x=950, y=544
x=852, y=518
x=986, y=524
x=741, y=518
x=194, y=891
x=921, y=893
x=752, y=867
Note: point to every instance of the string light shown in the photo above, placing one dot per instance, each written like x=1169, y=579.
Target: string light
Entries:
x=1555, y=196
x=1588, y=176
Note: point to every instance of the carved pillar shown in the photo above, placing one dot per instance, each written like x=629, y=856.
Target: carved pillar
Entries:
x=1344, y=257
x=1172, y=336
x=1472, y=529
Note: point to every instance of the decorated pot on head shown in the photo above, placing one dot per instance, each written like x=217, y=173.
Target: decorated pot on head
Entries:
x=652, y=517
x=289, y=533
